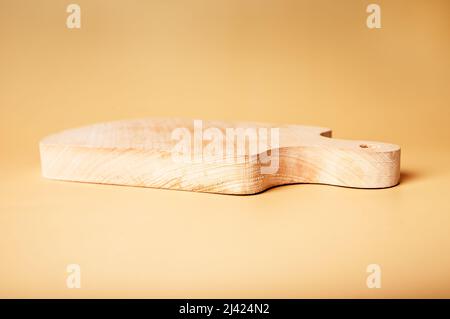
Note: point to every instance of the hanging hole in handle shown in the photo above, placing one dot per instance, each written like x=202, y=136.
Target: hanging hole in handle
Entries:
x=373, y=147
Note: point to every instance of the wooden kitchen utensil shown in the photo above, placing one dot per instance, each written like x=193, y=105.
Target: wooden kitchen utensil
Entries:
x=214, y=156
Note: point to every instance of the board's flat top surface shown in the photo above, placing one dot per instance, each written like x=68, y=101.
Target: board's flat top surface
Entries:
x=156, y=133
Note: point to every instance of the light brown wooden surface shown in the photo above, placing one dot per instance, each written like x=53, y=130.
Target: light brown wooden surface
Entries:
x=139, y=153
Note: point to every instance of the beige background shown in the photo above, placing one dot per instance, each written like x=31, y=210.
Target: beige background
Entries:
x=303, y=62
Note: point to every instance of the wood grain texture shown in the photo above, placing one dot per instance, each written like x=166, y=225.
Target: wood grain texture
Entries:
x=139, y=153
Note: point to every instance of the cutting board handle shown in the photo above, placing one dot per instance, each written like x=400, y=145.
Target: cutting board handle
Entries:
x=350, y=163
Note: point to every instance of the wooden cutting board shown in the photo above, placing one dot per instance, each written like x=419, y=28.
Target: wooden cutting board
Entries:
x=215, y=156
